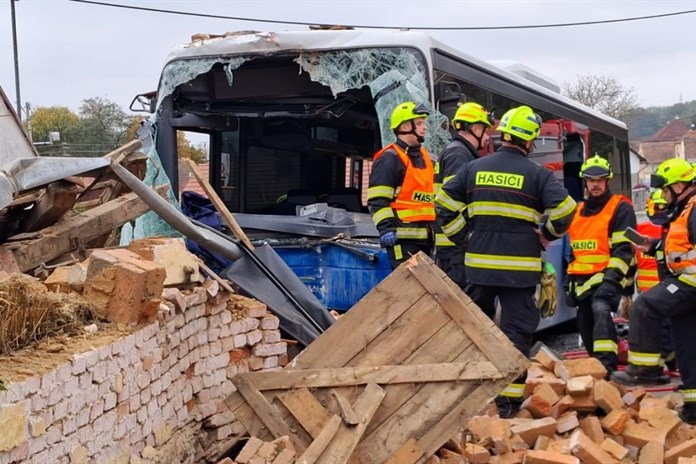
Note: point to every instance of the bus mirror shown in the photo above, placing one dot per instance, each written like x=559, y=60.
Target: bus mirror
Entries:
x=448, y=92
x=144, y=102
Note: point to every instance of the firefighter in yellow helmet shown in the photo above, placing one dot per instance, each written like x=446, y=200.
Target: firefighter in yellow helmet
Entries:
x=493, y=207
x=674, y=297
x=401, y=187
x=602, y=259
x=471, y=123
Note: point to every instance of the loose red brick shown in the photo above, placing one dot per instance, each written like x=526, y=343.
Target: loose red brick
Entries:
x=615, y=422
x=476, y=454
x=580, y=386
x=570, y=368
x=531, y=430
x=545, y=360
x=549, y=457
x=614, y=448
x=686, y=449
x=653, y=452
x=606, y=396
x=640, y=434
x=567, y=422
x=592, y=428
x=588, y=451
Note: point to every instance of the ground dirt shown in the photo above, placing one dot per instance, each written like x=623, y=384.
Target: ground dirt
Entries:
x=53, y=351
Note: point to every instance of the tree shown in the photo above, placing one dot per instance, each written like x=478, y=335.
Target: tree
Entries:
x=186, y=150
x=45, y=119
x=604, y=94
x=103, y=127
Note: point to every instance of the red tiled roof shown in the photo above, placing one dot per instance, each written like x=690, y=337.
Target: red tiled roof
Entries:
x=674, y=129
x=188, y=183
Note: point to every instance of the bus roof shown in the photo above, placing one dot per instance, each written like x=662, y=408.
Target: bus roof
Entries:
x=253, y=42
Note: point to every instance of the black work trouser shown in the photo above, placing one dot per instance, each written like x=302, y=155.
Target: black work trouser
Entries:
x=597, y=330
x=669, y=299
x=404, y=249
x=452, y=262
x=519, y=319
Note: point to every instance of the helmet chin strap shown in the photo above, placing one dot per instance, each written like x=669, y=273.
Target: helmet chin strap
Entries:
x=419, y=138
x=479, y=145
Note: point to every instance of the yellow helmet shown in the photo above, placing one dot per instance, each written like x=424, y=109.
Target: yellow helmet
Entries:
x=521, y=122
x=407, y=111
x=671, y=171
x=656, y=208
x=471, y=113
x=596, y=168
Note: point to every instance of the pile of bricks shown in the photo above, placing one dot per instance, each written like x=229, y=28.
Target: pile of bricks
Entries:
x=155, y=395
x=571, y=415
x=255, y=451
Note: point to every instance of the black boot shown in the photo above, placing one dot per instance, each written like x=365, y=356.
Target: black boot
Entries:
x=507, y=407
x=634, y=376
x=688, y=413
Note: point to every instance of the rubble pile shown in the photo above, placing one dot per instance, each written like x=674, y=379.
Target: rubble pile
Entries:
x=573, y=416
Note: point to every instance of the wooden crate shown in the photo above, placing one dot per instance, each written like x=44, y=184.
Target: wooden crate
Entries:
x=391, y=381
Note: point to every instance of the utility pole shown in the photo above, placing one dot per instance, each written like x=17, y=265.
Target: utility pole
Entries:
x=16, y=59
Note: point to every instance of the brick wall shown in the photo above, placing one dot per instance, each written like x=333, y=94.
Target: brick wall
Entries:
x=153, y=396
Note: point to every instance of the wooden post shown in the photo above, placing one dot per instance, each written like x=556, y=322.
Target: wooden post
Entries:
x=219, y=205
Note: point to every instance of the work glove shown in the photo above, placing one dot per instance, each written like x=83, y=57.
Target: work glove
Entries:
x=610, y=292
x=547, y=293
x=626, y=306
x=388, y=239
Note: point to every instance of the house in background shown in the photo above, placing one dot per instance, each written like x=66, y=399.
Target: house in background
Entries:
x=676, y=139
x=188, y=183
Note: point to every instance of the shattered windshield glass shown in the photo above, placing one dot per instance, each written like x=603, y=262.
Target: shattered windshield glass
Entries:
x=394, y=74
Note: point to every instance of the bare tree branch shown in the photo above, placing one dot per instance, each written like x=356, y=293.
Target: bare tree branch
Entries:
x=604, y=94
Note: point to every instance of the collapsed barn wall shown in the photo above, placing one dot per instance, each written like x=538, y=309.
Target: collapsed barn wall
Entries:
x=154, y=395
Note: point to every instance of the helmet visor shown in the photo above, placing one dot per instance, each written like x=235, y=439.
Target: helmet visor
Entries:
x=657, y=181
x=421, y=110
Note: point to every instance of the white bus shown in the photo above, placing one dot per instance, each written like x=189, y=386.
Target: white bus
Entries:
x=293, y=119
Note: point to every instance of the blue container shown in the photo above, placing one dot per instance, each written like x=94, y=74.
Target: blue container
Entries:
x=337, y=277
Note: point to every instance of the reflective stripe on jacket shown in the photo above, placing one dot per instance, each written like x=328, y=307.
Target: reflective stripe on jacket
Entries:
x=679, y=249
x=647, y=275
x=414, y=201
x=590, y=241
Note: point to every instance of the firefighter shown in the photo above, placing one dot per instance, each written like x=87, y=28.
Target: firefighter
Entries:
x=651, y=263
x=401, y=188
x=471, y=121
x=674, y=297
x=493, y=207
x=602, y=258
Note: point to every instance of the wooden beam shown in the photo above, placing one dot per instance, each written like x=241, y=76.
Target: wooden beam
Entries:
x=266, y=412
x=68, y=234
x=306, y=409
x=362, y=375
x=456, y=307
x=407, y=454
x=322, y=440
x=347, y=437
x=58, y=198
x=347, y=413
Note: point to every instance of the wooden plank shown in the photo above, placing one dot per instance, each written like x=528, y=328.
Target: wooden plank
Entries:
x=347, y=437
x=69, y=233
x=219, y=205
x=457, y=306
x=58, y=198
x=317, y=447
x=361, y=375
x=349, y=416
x=407, y=454
x=266, y=412
x=375, y=312
x=306, y=409
x=419, y=414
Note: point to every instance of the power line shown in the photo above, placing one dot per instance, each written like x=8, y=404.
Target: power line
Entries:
x=362, y=26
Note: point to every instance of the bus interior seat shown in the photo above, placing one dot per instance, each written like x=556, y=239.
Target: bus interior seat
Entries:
x=348, y=198
x=287, y=204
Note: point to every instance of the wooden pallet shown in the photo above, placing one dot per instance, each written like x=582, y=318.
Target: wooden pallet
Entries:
x=391, y=381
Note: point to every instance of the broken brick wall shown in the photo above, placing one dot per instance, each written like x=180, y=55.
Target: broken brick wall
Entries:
x=153, y=396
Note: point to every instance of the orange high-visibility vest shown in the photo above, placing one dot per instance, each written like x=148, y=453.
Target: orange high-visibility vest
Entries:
x=679, y=251
x=589, y=239
x=646, y=275
x=415, y=201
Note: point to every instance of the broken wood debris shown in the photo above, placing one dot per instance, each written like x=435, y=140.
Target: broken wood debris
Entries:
x=416, y=356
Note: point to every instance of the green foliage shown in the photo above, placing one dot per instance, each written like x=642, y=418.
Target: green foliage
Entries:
x=100, y=126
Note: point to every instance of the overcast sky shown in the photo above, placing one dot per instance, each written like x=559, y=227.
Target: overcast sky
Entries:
x=70, y=51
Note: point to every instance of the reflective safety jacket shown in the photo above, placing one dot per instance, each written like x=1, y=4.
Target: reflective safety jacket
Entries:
x=455, y=155
x=401, y=192
x=492, y=207
x=680, y=254
x=599, y=248
x=647, y=275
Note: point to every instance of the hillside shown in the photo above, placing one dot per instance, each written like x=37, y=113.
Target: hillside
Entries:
x=649, y=120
